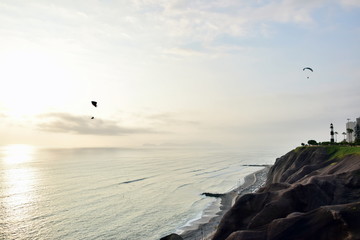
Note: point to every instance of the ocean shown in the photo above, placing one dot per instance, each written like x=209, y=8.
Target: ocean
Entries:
x=114, y=193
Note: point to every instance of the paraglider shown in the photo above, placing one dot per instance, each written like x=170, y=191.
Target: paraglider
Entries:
x=94, y=103
x=308, y=68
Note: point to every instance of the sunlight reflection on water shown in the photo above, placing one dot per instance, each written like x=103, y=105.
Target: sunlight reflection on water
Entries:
x=18, y=153
x=18, y=181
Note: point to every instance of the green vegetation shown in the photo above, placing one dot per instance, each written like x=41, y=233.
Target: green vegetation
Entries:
x=334, y=150
x=327, y=143
x=337, y=151
x=299, y=148
x=312, y=142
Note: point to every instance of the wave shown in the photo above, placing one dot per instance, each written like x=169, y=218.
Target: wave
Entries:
x=213, y=171
x=134, y=180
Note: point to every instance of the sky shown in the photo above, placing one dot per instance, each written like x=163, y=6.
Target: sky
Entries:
x=177, y=72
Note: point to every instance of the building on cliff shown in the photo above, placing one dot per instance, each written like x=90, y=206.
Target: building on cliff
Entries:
x=350, y=134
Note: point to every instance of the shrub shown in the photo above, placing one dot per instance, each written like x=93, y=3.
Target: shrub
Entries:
x=312, y=142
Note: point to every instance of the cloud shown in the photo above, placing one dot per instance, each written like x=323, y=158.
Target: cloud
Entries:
x=170, y=119
x=178, y=23
x=68, y=123
x=163, y=122
x=152, y=25
x=182, y=52
x=3, y=115
x=187, y=144
x=350, y=3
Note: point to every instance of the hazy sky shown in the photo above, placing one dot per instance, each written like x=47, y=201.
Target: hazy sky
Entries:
x=171, y=72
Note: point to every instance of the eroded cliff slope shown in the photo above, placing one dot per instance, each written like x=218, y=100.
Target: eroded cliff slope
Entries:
x=310, y=193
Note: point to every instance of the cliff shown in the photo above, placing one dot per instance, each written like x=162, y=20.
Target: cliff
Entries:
x=310, y=193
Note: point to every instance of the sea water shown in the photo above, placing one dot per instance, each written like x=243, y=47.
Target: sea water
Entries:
x=113, y=193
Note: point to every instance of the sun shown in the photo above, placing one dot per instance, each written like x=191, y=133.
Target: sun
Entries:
x=30, y=83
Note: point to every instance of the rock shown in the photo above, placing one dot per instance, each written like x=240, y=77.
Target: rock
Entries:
x=329, y=222
x=172, y=236
x=216, y=195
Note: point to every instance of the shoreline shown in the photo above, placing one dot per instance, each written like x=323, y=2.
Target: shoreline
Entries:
x=252, y=182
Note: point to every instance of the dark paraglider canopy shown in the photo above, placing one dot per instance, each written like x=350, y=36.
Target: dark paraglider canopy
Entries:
x=307, y=68
x=94, y=103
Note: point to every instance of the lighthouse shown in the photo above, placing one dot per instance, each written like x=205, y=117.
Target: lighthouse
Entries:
x=331, y=133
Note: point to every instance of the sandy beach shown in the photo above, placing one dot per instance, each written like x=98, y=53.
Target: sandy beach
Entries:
x=252, y=182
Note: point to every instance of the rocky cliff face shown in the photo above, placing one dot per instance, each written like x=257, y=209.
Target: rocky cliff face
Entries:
x=309, y=194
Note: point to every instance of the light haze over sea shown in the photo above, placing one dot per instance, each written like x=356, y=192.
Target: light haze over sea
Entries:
x=114, y=193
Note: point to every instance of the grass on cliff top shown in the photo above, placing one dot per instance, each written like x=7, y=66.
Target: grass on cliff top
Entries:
x=338, y=152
